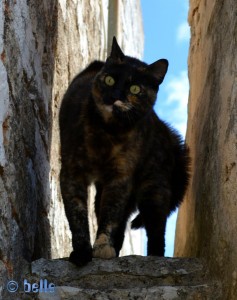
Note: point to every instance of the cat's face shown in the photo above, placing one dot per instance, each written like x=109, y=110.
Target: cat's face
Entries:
x=125, y=90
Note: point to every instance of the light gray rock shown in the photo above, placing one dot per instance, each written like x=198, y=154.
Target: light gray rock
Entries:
x=130, y=277
x=202, y=292
x=121, y=272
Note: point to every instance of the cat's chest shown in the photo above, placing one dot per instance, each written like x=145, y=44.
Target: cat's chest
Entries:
x=102, y=148
x=107, y=154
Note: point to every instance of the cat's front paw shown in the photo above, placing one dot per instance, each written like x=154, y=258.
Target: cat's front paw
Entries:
x=81, y=257
x=102, y=248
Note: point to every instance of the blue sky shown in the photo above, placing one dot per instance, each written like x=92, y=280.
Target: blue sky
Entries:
x=167, y=35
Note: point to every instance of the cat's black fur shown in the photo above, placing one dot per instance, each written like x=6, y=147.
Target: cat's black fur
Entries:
x=110, y=136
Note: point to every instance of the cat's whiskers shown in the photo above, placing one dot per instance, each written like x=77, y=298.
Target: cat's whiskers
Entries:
x=124, y=106
x=130, y=112
x=119, y=104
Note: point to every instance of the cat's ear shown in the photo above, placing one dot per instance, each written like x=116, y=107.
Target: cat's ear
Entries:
x=158, y=69
x=116, y=52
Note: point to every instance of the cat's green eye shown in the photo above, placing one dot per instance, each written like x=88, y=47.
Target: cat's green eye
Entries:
x=109, y=80
x=135, y=89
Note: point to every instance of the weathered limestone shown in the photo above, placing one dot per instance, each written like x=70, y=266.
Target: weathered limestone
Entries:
x=130, y=277
x=27, y=41
x=207, y=219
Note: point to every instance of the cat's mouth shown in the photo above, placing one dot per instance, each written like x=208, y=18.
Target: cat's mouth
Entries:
x=118, y=104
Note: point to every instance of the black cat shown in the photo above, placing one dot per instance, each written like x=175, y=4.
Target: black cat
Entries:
x=110, y=136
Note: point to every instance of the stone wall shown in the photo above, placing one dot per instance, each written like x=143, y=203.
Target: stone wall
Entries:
x=207, y=219
x=43, y=44
x=28, y=32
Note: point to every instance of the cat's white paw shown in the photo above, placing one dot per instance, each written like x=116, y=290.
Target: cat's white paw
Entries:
x=102, y=248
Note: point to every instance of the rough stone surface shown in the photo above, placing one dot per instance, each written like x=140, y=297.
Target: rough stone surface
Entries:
x=207, y=219
x=27, y=41
x=123, y=272
x=201, y=292
x=129, y=277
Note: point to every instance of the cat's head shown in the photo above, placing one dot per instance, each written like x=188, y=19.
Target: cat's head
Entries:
x=125, y=89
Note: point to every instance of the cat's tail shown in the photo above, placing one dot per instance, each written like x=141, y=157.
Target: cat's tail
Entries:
x=137, y=222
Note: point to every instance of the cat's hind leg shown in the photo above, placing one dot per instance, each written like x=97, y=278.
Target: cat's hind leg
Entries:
x=154, y=210
x=74, y=193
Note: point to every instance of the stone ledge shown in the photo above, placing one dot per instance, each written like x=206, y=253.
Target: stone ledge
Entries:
x=203, y=292
x=123, y=272
x=128, y=277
